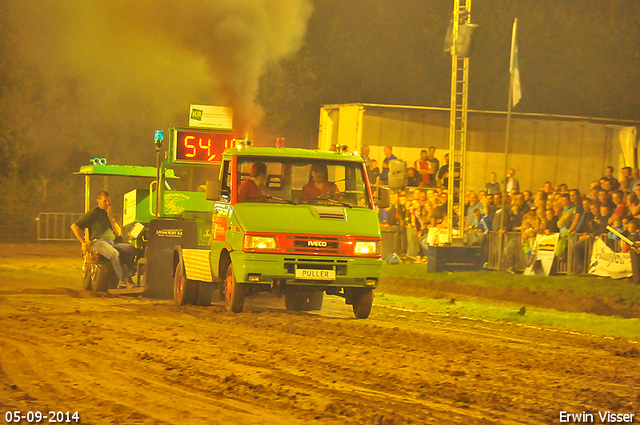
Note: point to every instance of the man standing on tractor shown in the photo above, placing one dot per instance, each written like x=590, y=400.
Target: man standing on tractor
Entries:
x=103, y=230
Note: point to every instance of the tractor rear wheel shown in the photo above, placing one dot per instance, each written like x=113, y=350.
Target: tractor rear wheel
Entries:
x=104, y=278
x=88, y=274
x=185, y=290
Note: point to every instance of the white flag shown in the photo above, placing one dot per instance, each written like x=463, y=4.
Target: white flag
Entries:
x=513, y=68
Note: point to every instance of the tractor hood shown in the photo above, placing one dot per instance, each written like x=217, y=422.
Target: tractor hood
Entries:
x=307, y=219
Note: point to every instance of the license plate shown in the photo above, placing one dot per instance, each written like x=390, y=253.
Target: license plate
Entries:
x=310, y=274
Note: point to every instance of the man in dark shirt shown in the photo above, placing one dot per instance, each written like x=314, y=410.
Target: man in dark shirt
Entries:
x=443, y=173
x=591, y=217
x=103, y=230
x=492, y=187
x=552, y=222
x=388, y=157
x=490, y=207
x=374, y=174
x=522, y=209
x=435, y=166
x=598, y=227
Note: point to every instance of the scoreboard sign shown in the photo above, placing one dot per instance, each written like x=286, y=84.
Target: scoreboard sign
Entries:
x=200, y=146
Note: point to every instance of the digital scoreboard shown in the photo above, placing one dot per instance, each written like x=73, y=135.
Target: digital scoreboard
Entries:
x=190, y=146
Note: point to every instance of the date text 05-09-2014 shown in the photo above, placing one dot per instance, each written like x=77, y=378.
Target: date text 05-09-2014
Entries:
x=50, y=417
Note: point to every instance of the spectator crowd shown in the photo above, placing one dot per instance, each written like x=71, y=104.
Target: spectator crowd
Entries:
x=422, y=206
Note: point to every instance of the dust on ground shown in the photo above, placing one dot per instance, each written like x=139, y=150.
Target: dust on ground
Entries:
x=118, y=360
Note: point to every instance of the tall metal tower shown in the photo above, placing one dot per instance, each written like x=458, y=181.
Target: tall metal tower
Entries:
x=458, y=119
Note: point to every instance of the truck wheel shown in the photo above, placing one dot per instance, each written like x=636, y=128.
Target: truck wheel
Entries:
x=205, y=292
x=104, y=278
x=315, y=299
x=362, y=303
x=185, y=290
x=233, y=292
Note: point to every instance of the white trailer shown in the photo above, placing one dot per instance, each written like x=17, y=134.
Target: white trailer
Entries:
x=562, y=149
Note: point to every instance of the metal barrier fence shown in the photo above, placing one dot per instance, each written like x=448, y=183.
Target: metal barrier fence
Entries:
x=495, y=248
x=506, y=251
x=56, y=226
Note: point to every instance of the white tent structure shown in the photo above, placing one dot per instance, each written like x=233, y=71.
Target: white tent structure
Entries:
x=561, y=149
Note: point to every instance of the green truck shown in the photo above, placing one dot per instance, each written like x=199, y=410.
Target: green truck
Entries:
x=292, y=240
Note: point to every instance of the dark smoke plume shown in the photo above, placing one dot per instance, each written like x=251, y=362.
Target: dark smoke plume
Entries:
x=101, y=75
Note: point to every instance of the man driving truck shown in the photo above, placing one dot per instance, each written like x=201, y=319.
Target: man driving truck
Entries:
x=253, y=188
x=319, y=185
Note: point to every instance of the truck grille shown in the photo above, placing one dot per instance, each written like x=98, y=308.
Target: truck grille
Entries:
x=315, y=245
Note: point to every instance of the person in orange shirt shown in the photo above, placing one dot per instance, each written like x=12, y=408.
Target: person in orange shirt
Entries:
x=319, y=185
x=253, y=189
x=424, y=167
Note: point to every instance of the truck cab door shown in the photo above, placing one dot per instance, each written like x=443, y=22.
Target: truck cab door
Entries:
x=220, y=213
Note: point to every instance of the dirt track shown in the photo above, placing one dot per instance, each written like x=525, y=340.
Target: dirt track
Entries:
x=139, y=361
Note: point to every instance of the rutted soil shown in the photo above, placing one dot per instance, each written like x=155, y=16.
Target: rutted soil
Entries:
x=557, y=299
x=120, y=360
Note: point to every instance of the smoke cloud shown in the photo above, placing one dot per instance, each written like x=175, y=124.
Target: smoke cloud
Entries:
x=102, y=75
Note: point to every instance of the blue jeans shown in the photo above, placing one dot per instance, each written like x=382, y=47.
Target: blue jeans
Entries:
x=120, y=254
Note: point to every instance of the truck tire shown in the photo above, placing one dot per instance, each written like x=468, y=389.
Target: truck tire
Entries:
x=362, y=303
x=105, y=278
x=205, y=292
x=315, y=299
x=185, y=291
x=232, y=291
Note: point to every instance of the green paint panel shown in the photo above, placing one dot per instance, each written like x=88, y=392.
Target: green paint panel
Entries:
x=284, y=218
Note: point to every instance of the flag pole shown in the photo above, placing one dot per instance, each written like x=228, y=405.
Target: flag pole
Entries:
x=506, y=142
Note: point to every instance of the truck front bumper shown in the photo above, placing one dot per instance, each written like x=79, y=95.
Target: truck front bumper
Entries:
x=266, y=268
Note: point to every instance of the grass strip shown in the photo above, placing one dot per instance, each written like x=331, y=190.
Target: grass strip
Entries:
x=623, y=288
x=505, y=312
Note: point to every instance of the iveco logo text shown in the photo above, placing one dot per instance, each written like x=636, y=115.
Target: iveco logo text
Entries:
x=319, y=244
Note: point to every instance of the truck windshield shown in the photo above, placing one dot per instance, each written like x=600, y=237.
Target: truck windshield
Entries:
x=302, y=181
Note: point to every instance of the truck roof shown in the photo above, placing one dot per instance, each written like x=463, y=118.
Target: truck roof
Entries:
x=292, y=153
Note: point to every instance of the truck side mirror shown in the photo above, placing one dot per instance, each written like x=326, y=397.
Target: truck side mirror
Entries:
x=213, y=190
x=384, y=197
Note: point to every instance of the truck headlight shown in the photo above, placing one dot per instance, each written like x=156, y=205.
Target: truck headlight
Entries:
x=260, y=242
x=367, y=248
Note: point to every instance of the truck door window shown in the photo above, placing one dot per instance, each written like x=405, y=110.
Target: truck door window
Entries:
x=225, y=189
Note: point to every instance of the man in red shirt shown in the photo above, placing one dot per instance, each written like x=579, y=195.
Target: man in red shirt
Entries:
x=253, y=189
x=423, y=165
